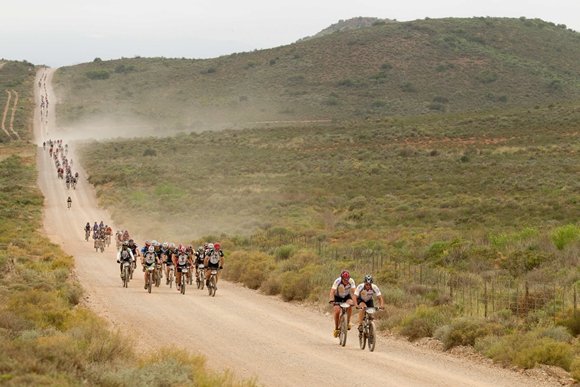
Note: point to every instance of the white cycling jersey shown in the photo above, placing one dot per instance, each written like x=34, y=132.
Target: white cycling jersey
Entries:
x=343, y=290
x=366, y=295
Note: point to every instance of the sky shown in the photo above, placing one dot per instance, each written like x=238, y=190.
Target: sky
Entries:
x=67, y=32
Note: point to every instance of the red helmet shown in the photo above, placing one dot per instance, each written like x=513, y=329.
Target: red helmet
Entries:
x=345, y=275
x=216, y=246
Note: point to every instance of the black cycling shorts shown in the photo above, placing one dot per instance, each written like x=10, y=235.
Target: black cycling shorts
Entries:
x=368, y=303
x=342, y=299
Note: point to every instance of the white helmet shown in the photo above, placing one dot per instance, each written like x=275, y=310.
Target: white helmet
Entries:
x=151, y=249
x=154, y=242
x=210, y=246
x=165, y=245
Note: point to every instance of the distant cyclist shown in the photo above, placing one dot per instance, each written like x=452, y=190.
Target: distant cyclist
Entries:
x=342, y=290
x=364, y=293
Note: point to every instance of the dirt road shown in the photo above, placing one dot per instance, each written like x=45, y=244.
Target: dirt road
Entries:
x=258, y=336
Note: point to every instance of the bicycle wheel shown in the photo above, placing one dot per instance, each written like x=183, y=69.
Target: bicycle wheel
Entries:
x=149, y=283
x=125, y=276
x=343, y=330
x=170, y=280
x=372, y=338
x=183, y=282
x=362, y=339
x=202, y=280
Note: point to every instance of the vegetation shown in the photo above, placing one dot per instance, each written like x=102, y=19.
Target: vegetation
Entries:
x=17, y=78
x=478, y=63
x=466, y=220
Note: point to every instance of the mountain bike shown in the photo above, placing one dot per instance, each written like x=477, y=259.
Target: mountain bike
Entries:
x=170, y=276
x=158, y=274
x=184, y=273
x=212, y=282
x=126, y=273
x=342, y=321
x=200, y=277
x=150, y=270
x=368, y=330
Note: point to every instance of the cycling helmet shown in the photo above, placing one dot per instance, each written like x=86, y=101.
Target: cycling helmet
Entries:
x=151, y=249
x=345, y=275
x=172, y=245
x=154, y=242
x=125, y=243
x=131, y=242
x=368, y=279
x=210, y=246
x=165, y=245
x=147, y=243
x=216, y=246
x=181, y=248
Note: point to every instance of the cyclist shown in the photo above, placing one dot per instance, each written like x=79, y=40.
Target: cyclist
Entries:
x=181, y=260
x=364, y=293
x=167, y=252
x=342, y=290
x=214, y=259
x=88, y=228
x=199, y=259
x=148, y=259
x=125, y=254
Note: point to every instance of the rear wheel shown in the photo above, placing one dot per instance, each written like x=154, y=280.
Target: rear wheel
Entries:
x=149, y=283
x=202, y=280
x=183, y=281
x=343, y=330
x=371, y=336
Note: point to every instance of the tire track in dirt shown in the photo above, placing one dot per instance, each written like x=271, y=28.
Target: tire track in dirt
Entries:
x=5, y=113
x=11, y=127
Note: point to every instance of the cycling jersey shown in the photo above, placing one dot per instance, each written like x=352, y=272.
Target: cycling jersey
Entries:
x=150, y=258
x=365, y=295
x=342, y=290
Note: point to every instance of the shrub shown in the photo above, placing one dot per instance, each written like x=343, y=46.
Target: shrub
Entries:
x=563, y=236
x=284, y=252
x=98, y=74
x=572, y=323
x=575, y=368
x=408, y=87
x=150, y=152
x=527, y=350
x=462, y=332
x=423, y=322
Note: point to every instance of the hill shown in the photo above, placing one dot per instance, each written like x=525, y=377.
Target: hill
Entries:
x=350, y=24
x=443, y=65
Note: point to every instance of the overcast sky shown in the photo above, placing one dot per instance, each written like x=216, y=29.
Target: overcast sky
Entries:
x=66, y=32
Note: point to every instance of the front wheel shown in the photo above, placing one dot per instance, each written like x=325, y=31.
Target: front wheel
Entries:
x=183, y=282
x=371, y=336
x=362, y=339
x=149, y=283
x=343, y=330
x=125, y=276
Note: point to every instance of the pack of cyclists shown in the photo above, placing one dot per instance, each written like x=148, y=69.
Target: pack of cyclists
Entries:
x=163, y=257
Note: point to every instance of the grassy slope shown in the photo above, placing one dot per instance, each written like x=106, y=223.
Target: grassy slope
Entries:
x=47, y=337
x=17, y=76
x=410, y=68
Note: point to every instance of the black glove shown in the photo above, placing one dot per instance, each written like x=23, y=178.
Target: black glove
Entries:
x=221, y=267
x=118, y=261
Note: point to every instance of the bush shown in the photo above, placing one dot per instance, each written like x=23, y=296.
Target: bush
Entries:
x=424, y=321
x=527, y=350
x=575, y=368
x=563, y=236
x=463, y=332
x=572, y=323
x=284, y=252
x=98, y=74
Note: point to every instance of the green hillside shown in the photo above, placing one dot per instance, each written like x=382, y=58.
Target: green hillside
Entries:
x=388, y=69
x=16, y=100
